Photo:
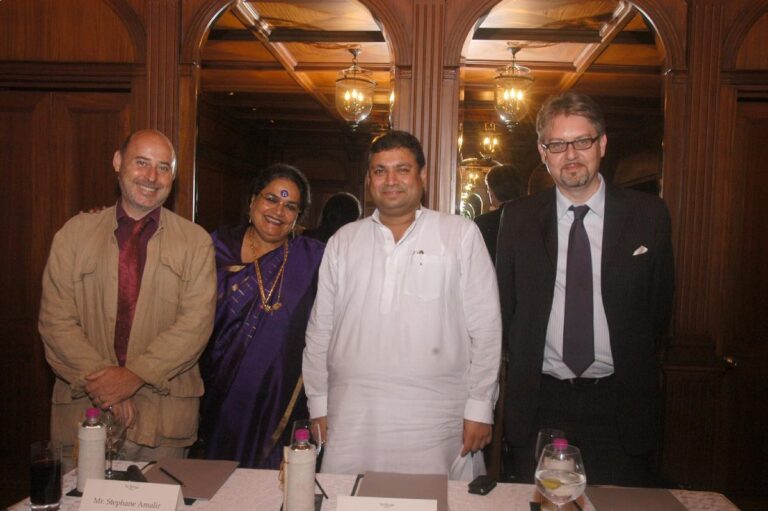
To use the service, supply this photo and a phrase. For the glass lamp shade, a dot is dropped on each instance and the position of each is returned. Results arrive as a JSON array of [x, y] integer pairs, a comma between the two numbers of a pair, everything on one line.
[[512, 83], [354, 94], [489, 141]]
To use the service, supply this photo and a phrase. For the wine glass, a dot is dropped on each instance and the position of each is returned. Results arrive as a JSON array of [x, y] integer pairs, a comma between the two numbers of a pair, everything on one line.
[[315, 435], [545, 437], [116, 432], [560, 474]]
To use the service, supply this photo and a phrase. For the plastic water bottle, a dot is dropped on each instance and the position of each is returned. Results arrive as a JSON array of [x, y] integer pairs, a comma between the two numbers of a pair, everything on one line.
[[299, 484], [92, 439]]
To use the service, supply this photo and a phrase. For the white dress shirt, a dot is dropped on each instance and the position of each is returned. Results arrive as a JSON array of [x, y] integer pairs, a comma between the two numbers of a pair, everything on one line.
[[403, 343], [553, 351]]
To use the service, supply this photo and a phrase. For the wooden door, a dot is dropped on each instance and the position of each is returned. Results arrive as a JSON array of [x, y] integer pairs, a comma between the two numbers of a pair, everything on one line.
[[742, 461], [55, 153]]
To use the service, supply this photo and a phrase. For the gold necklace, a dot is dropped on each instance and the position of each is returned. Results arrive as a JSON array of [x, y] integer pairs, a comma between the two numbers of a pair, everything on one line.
[[265, 297]]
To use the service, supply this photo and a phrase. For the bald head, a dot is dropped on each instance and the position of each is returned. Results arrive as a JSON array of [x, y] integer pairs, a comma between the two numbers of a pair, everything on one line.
[[152, 134], [146, 167]]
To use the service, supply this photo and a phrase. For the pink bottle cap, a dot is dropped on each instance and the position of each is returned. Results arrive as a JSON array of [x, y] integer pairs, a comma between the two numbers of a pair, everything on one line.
[[560, 443], [301, 435], [92, 413]]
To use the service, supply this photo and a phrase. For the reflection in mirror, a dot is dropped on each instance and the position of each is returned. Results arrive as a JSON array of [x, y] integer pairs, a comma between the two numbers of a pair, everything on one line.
[[267, 94], [606, 49]]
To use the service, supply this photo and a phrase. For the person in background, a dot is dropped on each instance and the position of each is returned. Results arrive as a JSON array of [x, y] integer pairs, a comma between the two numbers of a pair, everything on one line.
[[586, 276], [340, 209], [267, 279], [127, 307], [403, 343], [539, 180], [504, 184]]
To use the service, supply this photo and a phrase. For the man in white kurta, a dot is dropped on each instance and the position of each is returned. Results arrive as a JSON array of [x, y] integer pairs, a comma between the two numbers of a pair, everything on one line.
[[403, 343]]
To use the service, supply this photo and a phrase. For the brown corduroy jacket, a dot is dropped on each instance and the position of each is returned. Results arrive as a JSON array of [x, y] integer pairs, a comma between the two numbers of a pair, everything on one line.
[[172, 323]]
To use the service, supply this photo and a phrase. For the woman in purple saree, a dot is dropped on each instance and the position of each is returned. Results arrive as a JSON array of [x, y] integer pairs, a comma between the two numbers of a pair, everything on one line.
[[267, 279]]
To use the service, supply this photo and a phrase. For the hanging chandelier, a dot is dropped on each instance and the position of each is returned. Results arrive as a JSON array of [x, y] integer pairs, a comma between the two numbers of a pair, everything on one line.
[[512, 83], [354, 92], [489, 141]]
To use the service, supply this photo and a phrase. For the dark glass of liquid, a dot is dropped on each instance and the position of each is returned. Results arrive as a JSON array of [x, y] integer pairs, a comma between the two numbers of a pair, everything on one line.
[[45, 477]]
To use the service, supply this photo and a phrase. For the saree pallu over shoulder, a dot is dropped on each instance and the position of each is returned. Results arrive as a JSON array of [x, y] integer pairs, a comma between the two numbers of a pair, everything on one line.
[[252, 365]]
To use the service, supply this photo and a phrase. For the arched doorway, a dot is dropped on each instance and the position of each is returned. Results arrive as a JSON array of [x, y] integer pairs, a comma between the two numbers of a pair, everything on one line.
[[609, 50], [264, 78]]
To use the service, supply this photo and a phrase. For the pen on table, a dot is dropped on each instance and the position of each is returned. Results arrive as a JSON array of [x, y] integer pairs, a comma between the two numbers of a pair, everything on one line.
[[164, 471], [321, 488]]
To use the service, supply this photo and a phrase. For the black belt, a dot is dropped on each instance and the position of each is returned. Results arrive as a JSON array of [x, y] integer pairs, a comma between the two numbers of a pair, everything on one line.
[[581, 382]]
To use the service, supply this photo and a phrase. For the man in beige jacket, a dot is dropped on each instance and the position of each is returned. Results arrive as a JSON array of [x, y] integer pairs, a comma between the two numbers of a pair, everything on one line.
[[127, 307]]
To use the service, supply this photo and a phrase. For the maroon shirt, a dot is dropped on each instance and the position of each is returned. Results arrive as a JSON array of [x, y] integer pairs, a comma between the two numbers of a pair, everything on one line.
[[126, 307]]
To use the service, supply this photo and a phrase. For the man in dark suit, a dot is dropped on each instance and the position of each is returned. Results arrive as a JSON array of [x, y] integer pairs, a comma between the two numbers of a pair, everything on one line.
[[585, 294], [504, 184]]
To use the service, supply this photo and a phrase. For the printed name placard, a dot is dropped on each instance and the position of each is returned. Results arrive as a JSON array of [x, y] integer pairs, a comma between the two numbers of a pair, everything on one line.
[[102, 495], [348, 503]]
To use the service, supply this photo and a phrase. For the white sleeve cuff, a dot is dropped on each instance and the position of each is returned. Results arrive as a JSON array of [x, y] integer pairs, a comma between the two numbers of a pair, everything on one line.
[[479, 411], [318, 407]]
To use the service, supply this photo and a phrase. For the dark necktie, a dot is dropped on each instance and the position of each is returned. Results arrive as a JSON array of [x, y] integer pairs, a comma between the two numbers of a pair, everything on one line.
[[129, 282], [578, 331]]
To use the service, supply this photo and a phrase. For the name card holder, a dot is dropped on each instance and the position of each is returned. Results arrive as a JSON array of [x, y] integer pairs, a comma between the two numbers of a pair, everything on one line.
[[103, 495], [349, 503]]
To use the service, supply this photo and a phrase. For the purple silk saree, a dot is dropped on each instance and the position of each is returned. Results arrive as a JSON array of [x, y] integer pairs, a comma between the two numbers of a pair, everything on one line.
[[252, 365]]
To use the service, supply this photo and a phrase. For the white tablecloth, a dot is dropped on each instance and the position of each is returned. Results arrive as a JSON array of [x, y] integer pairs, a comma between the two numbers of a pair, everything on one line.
[[259, 490]]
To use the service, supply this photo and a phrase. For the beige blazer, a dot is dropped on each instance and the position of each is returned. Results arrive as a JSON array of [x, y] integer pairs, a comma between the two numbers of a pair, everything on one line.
[[172, 323]]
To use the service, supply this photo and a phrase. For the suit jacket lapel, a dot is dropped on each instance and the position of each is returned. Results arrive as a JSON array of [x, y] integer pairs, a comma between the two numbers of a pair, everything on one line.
[[616, 216], [548, 223]]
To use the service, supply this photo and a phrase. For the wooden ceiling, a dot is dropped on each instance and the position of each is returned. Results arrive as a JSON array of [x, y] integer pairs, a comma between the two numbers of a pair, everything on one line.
[[273, 64]]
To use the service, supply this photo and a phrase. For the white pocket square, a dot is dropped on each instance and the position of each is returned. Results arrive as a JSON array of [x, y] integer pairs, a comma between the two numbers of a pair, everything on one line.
[[642, 249]]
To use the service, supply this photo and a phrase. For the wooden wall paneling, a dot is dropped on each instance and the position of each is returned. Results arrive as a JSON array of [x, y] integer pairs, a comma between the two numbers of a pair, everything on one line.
[[195, 20], [89, 128], [64, 30], [163, 26], [744, 46], [403, 85], [59, 147], [427, 107], [448, 171], [689, 429], [705, 36], [745, 337], [222, 202], [24, 381], [186, 195]]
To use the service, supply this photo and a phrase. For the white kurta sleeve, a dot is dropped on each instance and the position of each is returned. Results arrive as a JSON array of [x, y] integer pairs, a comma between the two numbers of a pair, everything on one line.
[[319, 332], [480, 297]]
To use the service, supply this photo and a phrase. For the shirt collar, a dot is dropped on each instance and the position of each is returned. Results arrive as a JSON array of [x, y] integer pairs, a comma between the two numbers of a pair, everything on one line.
[[596, 203], [376, 216], [122, 216]]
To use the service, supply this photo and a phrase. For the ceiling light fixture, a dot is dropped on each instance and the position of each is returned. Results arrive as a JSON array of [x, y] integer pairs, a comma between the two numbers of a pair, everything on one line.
[[489, 141], [512, 83], [354, 92]]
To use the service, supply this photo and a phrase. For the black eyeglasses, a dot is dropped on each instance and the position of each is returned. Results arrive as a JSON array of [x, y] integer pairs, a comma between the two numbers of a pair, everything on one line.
[[580, 144]]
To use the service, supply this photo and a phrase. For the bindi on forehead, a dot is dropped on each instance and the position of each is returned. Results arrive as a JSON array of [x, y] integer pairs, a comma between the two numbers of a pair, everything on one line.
[[283, 193]]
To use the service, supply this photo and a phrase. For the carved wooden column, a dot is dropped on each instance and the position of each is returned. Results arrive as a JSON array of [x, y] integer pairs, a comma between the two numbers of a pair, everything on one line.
[[693, 375], [696, 216], [156, 99], [434, 107]]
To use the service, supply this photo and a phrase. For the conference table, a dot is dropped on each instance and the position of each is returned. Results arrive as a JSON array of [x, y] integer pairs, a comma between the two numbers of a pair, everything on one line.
[[249, 489]]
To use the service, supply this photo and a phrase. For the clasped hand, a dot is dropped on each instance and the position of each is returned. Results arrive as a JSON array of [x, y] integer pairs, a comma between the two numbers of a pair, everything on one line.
[[112, 385]]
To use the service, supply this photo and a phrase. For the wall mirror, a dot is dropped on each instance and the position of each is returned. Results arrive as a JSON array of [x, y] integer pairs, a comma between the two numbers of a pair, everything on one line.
[[521, 52], [267, 94]]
